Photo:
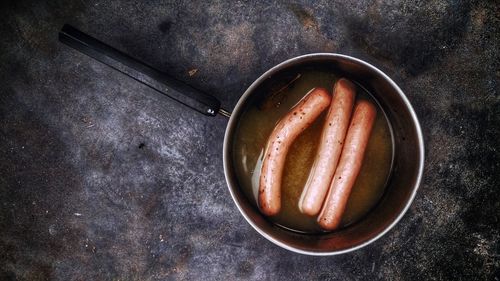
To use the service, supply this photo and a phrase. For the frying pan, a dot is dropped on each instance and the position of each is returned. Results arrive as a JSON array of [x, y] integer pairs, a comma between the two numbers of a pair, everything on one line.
[[407, 137]]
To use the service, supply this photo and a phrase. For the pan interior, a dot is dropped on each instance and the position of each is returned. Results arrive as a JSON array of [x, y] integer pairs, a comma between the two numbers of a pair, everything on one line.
[[274, 100]]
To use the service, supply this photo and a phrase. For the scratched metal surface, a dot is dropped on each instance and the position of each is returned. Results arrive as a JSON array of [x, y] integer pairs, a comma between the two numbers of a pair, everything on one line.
[[101, 179]]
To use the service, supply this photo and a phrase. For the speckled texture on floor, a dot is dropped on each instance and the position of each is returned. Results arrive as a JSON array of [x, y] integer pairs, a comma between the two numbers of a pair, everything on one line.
[[102, 179]]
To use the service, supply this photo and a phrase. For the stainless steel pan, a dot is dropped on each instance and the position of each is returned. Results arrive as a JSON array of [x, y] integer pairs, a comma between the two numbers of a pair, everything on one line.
[[408, 143]]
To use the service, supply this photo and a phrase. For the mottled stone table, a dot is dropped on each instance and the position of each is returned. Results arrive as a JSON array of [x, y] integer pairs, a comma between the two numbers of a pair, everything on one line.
[[102, 179]]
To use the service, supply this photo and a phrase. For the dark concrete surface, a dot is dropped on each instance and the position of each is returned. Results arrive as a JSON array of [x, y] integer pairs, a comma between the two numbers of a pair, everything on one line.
[[102, 179]]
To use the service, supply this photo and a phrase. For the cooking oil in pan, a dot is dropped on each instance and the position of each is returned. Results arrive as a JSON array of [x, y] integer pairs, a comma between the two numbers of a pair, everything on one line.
[[256, 124]]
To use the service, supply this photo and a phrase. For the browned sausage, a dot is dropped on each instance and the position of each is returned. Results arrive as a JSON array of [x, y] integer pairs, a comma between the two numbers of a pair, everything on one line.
[[349, 165], [279, 142], [330, 146]]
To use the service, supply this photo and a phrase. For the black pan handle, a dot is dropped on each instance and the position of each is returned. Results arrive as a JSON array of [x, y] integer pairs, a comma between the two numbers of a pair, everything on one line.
[[141, 72]]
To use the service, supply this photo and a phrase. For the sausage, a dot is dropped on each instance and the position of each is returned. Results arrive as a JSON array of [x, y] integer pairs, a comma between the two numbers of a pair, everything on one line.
[[286, 131], [349, 165], [330, 146]]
